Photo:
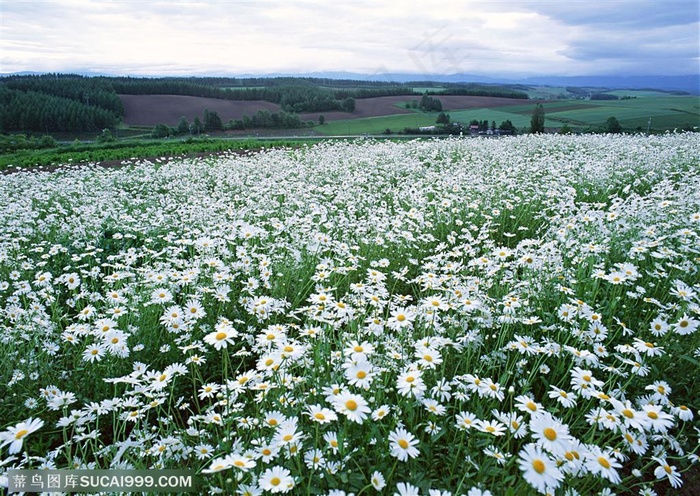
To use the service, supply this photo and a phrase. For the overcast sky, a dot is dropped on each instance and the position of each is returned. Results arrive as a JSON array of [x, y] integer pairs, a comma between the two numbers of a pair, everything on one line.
[[230, 37]]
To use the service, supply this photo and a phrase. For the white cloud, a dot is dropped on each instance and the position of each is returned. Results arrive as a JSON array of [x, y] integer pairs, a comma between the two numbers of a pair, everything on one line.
[[440, 36]]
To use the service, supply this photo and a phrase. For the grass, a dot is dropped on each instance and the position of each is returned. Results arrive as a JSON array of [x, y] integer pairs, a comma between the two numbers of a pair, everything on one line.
[[377, 125], [76, 153]]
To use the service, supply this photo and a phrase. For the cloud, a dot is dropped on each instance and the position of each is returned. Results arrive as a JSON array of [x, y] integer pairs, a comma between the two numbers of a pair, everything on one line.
[[436, 37]]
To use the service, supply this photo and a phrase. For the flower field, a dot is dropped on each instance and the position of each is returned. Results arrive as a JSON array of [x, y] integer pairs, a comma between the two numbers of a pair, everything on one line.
[[462, 316]]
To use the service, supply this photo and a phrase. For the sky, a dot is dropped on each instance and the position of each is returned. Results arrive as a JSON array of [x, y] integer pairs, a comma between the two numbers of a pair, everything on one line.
[[515, 38]]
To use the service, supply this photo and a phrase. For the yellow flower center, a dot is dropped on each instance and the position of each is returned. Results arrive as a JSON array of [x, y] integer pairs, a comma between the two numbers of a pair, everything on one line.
[[653, 415], [550, 433], [351, 405], [319, 416], [538, 465], [361, 374], [604, 462], [403, 443], [21, 434], [220, 336], [400, 317], [628, 413], [531, 406], [275, 481]]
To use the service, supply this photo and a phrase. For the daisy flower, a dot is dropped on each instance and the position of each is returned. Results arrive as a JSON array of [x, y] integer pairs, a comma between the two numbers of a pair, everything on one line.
[[658, 420], [319, 414], [353, 406], [401, 318], [360, 373], [94, 352], [221, 338], [276, 480], [240, 462], [539, 470], [411, 383], [381, 412], [668, 471], [217, 465], [403, 444], [603, 463], [549, 433], [526, 404], [14, 436], [682, 412], [377, 480], [466, 420], [406, 489], [686, 325], [491, 426], [567, 400]]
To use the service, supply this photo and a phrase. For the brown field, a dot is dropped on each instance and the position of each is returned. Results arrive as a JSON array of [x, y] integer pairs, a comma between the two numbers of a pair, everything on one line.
[[149, 110]]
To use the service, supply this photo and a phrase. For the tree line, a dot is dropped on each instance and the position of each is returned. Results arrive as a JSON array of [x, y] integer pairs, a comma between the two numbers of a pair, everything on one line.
[[31, 111], [211, 121]]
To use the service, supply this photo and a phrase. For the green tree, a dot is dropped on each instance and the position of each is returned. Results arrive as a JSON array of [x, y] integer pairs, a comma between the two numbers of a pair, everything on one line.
[[565, 129], [613, 125], [349, 104], [160, 131], [212, 121], [197, 126], [183, 127], [537, 119], [321, 120], [443, 118], [507, 127], [106, 136]]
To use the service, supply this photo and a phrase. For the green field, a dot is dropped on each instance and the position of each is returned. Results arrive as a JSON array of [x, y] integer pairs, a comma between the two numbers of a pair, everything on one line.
[[377, 125], [665, 111]]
